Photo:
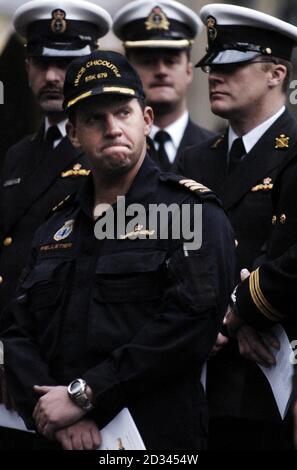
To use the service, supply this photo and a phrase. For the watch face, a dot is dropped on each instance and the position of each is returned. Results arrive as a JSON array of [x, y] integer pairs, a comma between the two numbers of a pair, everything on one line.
[[75, 386]]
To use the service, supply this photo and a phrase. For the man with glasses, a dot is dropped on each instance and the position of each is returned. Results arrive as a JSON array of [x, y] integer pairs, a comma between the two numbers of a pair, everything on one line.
[[249, 65]]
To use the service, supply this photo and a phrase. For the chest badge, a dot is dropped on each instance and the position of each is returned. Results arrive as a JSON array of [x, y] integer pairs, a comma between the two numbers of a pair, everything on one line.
[[64, 231], [282, 141]]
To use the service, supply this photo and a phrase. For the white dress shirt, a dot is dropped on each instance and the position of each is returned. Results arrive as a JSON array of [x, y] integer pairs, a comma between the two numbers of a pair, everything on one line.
[[62, 128], [251, 138], [176, 131]]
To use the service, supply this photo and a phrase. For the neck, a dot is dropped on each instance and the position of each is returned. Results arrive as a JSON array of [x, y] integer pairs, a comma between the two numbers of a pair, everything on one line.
[[244, 123], [164, 119], [56, 118]]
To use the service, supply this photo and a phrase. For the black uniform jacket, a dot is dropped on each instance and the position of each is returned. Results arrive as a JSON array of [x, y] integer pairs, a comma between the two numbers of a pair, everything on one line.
[[30, 188], [135, 317], [269, 295], [236, 386], [193, 135], [246, 192]]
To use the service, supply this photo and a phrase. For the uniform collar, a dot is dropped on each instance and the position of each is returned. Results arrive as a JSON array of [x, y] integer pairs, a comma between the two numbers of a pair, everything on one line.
[[61, 126], [175, 130], [251, 138]]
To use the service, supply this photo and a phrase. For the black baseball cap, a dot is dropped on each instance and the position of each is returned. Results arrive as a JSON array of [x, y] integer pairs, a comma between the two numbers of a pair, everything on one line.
[[101, 72]]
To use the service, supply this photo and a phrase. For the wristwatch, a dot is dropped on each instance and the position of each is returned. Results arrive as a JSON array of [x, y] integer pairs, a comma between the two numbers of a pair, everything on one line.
[[77, 393]]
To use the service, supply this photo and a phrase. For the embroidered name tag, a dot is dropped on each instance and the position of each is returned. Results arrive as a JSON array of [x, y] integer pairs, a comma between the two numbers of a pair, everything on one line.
[[11, 182], [56, 246]]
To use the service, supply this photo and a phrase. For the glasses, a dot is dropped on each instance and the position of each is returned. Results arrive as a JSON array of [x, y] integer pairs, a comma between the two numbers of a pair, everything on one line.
[[230, 68]]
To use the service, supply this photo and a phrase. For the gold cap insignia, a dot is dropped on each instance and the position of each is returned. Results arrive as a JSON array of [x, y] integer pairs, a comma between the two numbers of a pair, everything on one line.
[[282, 141], [157, 20], [58, 24], [211, 30], [64, 231]]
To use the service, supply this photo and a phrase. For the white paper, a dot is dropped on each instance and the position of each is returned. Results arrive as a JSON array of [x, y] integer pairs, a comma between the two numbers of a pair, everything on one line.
[[280, 375], [121, 433], [11, 419]]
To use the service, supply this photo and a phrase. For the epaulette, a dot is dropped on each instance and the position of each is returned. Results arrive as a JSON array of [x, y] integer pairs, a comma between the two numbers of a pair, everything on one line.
[[64, 203], [198, 188]]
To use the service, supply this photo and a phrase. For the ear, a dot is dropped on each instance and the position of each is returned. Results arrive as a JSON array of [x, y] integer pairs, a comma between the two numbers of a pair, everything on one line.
[[148, 116], [189, 72], [277, 75], [72, 134]]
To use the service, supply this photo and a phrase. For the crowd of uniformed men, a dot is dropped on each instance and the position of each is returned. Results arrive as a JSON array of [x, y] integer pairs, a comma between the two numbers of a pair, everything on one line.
[[91, 326]]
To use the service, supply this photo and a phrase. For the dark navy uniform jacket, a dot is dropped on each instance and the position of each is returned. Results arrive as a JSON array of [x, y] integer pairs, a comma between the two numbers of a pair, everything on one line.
[[30, 187], [193, 135], [237, 387], [136, 318], [269, 296]]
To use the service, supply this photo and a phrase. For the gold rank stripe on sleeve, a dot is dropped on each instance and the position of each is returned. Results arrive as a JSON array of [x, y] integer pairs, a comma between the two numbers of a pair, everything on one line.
[[192, 185], [259, 299]]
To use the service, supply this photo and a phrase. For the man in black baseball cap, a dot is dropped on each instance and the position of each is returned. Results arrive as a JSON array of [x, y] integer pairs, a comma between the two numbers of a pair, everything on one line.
[[124, 314]]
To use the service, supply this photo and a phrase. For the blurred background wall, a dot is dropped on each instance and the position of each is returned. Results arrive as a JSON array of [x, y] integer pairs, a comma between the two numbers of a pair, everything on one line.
[[19, 115]]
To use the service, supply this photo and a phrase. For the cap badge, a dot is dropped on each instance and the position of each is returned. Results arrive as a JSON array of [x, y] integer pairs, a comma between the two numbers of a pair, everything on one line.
[[282, 141], [58, 24], [64, 231], [211, 30], [157, 20]]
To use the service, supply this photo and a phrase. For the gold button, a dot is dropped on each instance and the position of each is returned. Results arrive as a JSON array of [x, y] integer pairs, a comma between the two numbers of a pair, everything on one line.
[[1, 279], [283, 219], [274, 219], [7, 241]]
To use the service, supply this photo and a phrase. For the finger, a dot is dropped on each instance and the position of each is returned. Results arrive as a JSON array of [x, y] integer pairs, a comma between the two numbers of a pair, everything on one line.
[[272, 340], [244, 274], [96, 437], [87, 440], [41, 390], [64, 439], [76, 441]]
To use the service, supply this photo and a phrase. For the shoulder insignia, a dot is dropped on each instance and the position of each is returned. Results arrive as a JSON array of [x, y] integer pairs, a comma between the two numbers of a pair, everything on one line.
[[62, 203], [192, 185], [217, 142], [282, 141]]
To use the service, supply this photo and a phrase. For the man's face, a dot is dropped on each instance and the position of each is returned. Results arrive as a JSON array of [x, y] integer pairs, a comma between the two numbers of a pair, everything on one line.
[[112, 132], [236, 90], [165, 74], [46, 79]]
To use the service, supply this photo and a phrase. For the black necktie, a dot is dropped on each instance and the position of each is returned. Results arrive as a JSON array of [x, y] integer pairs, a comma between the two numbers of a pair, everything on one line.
[[237, 151], [53, 133], [162, 137]]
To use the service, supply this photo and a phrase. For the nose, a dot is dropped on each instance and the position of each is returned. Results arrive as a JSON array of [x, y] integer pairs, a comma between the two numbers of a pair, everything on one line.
[[54, 74], [215, 77], [112, 127], [160, 67]]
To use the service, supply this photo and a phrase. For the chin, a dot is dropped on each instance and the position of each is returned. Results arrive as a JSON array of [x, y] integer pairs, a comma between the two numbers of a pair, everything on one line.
[[52, 106]]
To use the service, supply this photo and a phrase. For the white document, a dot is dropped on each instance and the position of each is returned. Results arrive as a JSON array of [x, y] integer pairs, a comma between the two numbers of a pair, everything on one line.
[[11, 419], [280, 375], [121, 433]]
